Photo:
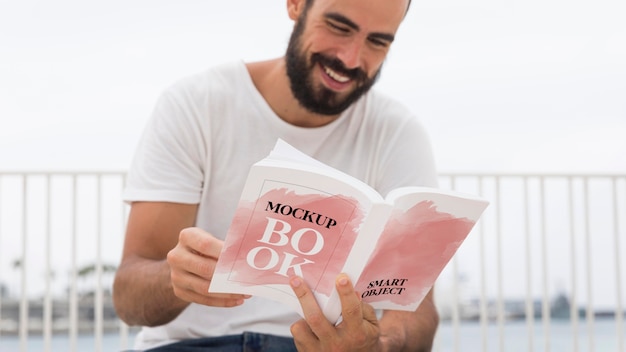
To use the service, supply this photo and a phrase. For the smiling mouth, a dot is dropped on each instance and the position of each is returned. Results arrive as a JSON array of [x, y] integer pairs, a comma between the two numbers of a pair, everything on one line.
[[334, 75]]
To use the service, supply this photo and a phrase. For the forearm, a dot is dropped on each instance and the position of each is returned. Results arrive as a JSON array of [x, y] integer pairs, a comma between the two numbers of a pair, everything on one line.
[[410, 331], [143, 294]]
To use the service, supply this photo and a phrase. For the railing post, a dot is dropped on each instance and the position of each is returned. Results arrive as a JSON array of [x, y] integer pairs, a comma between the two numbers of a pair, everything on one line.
[[47, 309], [545, 311], [530, 304], [589, 312], [483, 276], [24, 309], [500, 301], [619, 314], [123, 327], [456, 320], [98, 304], [573, 268], [73, 328]]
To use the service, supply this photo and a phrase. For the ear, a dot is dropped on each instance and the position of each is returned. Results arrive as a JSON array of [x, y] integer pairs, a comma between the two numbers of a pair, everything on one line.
[[294, 8]]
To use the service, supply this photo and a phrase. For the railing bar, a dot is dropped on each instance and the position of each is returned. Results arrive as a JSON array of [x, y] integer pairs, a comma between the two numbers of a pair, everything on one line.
[[1, 182], [60, 173], [589, 312], [530, 174], [545, 311], [573, 268], [442, 174], [499, 265], [483, 277], [123, 326], [98, 303], [456, 321], [530, 308], [73, 330], [47, 310], [23, 266], [619, 314]]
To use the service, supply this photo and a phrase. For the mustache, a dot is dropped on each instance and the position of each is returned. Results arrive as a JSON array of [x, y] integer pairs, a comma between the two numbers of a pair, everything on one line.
[[336, 65]]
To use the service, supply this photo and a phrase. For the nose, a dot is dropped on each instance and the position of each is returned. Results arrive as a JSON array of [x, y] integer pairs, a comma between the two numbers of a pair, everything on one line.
[[350, 53]]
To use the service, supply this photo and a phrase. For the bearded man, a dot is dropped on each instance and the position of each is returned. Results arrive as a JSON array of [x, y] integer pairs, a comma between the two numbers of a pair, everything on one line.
[[192, 162]]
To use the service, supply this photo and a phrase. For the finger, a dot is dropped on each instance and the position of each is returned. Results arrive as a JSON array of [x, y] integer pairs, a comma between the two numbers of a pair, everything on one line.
[[313, 315], [184, 263], [184, 259], [303, 335], [192, 288], [351, 305], [201, 242], [224, 301], [191, 275], [184, 280], [369, 314]]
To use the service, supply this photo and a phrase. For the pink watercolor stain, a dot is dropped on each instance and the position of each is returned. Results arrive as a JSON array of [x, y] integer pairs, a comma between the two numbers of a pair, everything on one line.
[[249, 225], [416, 246]]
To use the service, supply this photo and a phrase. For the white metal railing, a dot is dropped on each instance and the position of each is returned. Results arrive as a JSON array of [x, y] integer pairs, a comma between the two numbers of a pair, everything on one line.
[[61, 234], [71, 211], [571, 226]]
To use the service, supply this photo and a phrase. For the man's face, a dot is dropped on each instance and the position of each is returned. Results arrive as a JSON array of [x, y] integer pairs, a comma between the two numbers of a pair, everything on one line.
[[336, 52]]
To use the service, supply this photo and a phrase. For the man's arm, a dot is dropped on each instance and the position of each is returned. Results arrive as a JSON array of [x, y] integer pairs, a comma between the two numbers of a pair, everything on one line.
[[142, 290], [410, 331], [165, 265]]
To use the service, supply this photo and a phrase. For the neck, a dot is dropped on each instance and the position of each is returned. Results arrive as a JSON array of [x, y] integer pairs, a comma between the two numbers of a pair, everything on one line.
[[270, 79]]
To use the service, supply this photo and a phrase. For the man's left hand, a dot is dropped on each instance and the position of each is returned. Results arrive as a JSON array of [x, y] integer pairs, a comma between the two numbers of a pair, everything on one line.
[[358, 331]]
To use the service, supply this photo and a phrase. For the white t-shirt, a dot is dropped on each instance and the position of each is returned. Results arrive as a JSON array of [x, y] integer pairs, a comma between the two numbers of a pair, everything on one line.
[[205, 133]]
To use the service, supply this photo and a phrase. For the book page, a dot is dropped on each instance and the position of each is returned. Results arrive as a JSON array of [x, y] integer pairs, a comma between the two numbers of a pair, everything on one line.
[[286, 156], [424, 232]]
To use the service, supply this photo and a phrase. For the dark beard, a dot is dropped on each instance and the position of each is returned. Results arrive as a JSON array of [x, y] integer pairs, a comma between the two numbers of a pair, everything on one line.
[[323, 100]]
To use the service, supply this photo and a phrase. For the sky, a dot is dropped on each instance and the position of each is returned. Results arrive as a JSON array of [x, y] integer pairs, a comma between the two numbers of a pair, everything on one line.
[[502, 86], [506, 86]]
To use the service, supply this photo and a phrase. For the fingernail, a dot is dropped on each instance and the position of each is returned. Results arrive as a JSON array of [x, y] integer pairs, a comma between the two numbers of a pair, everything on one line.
[[343, 281], [295, 282]]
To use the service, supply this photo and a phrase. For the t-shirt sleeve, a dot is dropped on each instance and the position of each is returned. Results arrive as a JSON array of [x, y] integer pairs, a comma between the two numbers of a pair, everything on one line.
[[171, 158]]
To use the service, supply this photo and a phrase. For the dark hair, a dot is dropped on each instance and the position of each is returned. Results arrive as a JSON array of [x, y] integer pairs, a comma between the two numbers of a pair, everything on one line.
[[310, 2]]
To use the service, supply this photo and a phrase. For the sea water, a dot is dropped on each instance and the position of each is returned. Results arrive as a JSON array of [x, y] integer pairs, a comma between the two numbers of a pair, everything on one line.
[[516, 338], [61, 343]]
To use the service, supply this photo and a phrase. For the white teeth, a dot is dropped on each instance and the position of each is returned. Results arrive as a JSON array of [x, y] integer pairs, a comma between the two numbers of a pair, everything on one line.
[[334, 75]]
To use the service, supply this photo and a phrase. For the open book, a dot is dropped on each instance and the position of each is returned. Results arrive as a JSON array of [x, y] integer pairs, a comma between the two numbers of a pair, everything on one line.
[[298, 216]]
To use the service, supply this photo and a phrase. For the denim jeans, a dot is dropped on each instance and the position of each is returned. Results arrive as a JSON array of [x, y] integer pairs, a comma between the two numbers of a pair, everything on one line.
[[246, 342]]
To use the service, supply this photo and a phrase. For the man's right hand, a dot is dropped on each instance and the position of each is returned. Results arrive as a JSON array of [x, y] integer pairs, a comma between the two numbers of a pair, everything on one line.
[[192, 264], [166, 264]]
